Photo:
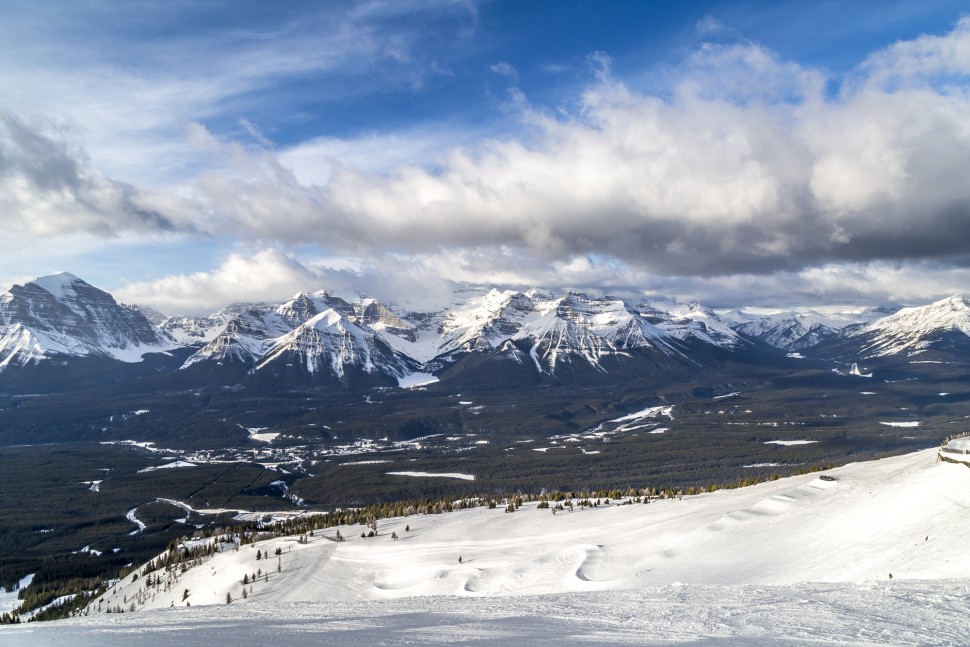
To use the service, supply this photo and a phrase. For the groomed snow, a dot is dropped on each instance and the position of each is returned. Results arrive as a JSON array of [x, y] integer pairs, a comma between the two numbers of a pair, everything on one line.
[[848, 615], [797, 561]]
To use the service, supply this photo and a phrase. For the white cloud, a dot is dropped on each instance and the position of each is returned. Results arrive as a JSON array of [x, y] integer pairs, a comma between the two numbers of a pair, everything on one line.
[[709, 25], [555, 68], [48, 188], [752, 170], [747, 168], [504, 69], [266, 275]]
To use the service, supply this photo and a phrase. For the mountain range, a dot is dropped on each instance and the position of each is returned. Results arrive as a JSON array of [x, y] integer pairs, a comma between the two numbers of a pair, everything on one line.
[[505, 335]]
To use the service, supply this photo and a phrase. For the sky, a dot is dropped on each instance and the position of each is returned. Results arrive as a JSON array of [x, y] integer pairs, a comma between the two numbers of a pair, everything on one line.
[[186, 155]]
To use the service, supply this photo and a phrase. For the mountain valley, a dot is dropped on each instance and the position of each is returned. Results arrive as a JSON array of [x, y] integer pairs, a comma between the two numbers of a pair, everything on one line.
[[320, 402]]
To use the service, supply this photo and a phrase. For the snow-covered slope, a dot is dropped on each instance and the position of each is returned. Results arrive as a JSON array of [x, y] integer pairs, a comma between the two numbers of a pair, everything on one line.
[[845, 614], [63, 315], [915, 330], [690, 320], [195, 331], [796, 330], [577, 327], [316, 331], [487, 323], [901, 515], [865, 529], [329, 342]]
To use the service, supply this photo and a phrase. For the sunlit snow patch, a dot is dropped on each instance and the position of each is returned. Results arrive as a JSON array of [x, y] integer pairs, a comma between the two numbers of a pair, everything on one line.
[[649, 412], [441, 475], [9, 600], [172, 465], [855, 371], [789, 442], [416, 379], [901, 424]]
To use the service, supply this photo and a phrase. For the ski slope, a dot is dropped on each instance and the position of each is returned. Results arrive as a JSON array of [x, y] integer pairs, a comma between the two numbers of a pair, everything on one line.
[[803, 559]]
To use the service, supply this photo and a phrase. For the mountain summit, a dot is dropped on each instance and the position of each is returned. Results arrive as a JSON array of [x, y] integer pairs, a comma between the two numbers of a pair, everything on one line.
[[63, 315]]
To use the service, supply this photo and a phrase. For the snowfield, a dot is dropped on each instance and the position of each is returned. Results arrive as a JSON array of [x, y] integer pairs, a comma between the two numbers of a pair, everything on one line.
[[804, 560]]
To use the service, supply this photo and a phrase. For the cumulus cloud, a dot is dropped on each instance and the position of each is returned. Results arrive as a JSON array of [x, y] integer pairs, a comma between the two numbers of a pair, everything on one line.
[[749, 166], [746, 174], [266, 275], [709, 25], [504, 69], [47, 188]]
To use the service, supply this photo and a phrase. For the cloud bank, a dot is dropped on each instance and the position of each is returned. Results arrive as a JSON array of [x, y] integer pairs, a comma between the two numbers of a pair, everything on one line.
[[748, 166], [744, 171]]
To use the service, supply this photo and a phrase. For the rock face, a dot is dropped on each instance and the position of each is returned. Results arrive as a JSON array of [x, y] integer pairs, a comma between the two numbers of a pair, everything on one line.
[[913, 331], [576, 328], [490, 335], [791, 333], [63, 315], [331, 344], [800, 330]]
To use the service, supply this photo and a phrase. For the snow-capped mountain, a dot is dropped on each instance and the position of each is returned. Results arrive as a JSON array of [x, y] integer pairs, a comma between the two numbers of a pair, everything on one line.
[[577, 327], [331, 343], [690, 320], [193, 331], [488, 323], [323, 335], [63, 315], [327, 336], [799, 330], [913, 331], [251, 331]]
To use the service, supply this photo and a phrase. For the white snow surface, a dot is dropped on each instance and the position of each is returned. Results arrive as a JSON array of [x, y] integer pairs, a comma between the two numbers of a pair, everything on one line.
[[577, 325], [908, 330], [797, 561], [166, 466], [441, 475], [94, 325], [9, 600], [416, 379]]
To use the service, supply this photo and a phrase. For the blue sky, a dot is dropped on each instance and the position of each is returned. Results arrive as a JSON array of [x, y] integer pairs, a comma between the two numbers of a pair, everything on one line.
[[185, 155]]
